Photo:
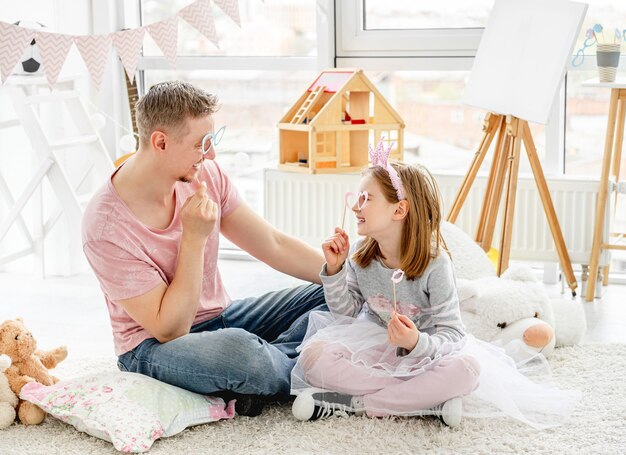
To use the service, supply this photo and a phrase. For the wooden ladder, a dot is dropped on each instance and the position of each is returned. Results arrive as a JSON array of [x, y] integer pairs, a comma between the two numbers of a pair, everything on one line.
[[308, 104], [71, 193]]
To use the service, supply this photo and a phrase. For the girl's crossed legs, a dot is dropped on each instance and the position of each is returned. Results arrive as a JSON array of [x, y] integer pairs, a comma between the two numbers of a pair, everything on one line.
[[328, 366]]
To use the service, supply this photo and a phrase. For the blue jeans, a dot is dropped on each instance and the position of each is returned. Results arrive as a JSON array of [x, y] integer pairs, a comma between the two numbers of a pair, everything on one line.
[[250, 348]]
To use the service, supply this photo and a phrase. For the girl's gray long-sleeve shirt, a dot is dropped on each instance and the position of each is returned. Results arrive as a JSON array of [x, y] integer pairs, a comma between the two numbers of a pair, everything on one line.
[[431, 300]]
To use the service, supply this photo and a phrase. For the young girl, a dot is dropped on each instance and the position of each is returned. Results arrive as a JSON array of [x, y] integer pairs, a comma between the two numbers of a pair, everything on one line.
[[401, 349]]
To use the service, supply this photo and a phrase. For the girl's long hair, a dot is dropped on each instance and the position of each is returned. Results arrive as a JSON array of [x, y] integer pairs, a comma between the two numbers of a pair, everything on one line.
[[421, 237]]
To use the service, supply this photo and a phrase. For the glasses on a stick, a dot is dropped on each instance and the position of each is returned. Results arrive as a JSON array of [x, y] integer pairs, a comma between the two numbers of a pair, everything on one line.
[[212, 139]]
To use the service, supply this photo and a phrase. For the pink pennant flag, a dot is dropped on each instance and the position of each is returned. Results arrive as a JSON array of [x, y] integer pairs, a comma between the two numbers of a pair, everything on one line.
[[13, 41], [164, 34], [128, 44], [198, 14], [53, 48], [95, 51], [231, 8]]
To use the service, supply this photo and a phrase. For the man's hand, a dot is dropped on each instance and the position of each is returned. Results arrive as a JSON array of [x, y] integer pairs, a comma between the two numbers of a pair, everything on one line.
[[198, 214], [401, 331], [336, 249]]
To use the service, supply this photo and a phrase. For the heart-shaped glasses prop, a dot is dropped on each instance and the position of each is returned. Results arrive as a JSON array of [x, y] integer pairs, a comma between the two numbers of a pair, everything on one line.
[[212, 139], [349, 201], [396, 277]]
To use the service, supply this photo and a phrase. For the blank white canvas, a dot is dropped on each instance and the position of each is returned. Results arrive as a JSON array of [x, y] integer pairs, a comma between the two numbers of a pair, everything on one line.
[[522, 57]]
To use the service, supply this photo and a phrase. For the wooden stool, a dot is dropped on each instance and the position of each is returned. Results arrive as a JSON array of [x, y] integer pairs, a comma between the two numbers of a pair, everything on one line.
[[611, 159]]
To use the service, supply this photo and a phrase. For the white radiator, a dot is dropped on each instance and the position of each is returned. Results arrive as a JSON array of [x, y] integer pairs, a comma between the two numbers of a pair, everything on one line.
[[309, 206]]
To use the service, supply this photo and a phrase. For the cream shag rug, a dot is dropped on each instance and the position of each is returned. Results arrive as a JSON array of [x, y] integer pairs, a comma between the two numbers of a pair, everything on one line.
[[597, 427]]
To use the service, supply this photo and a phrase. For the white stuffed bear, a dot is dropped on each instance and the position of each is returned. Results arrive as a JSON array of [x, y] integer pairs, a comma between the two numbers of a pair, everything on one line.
[[8, 400], [512, 307]]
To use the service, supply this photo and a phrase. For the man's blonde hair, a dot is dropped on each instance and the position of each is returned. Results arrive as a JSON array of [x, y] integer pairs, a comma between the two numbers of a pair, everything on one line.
[[168, 105]]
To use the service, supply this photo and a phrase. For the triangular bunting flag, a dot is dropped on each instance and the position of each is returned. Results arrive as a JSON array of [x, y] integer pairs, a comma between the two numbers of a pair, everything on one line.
[[53, 48], [95, 51], [128, 44], [13, 41], [198, 14], [165, 35], [231, 8]]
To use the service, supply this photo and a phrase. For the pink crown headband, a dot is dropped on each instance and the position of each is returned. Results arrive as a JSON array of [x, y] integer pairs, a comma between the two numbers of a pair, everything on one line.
[[380, 157]]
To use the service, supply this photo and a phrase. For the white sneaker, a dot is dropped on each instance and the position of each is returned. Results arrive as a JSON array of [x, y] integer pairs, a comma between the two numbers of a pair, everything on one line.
[[304, 407], [451, 412]]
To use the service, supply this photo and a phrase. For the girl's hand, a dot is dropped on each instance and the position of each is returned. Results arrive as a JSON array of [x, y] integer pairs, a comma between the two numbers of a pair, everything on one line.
[[336, 249], [401, 331]]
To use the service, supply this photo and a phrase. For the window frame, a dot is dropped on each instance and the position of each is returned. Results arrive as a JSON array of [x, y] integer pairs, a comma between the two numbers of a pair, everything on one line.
[[450, 49], [355, 41], [325, 50], [343, 42]]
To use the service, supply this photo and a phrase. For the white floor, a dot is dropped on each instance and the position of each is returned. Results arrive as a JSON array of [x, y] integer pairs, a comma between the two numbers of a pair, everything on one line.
[[72, 311]]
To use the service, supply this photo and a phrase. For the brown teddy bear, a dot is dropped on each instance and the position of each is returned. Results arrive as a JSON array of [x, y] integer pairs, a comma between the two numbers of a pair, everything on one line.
[[28, 365], [8, 400]]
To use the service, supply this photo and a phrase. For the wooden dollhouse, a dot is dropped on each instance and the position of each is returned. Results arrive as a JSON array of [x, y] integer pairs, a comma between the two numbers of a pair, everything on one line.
[[329, 128]]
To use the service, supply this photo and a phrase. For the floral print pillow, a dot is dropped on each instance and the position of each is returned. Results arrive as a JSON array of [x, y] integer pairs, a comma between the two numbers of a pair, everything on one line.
[[129, 410]]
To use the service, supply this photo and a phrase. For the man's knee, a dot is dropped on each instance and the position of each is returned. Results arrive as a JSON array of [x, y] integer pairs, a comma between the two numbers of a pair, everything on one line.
[[254, 367], [236, 344], [313, 294]]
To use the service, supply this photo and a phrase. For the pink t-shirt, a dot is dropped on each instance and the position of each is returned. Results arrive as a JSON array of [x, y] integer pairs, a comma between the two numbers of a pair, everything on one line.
[[130, 259]]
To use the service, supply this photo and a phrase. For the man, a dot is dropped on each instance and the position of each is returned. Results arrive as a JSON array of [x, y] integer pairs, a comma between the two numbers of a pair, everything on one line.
[[151, 236]]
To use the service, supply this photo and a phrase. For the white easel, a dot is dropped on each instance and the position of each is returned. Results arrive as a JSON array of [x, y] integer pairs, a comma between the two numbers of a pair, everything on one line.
[[27, 94], [521, 37]]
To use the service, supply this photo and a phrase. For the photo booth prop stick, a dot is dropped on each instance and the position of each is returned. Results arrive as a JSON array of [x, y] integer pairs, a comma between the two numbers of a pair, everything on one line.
[[395, 279], [591, 38], [347, 201], [520, 37], [598, 29], [361, 200]]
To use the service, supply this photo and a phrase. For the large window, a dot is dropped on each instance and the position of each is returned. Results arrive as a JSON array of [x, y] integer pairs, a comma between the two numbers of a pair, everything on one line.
[[422, 53], [258, 71], [419, 55], [271, 28], [587, 107], [425, 14], [440, 131], [587, 112], [427, 38], [586, 121]]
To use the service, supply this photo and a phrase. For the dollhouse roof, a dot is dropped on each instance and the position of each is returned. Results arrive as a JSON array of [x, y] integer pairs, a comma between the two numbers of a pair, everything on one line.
[[336, 83], [332, 81]]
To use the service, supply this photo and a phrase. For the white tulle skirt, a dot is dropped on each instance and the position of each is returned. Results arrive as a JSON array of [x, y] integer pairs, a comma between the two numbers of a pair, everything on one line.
[[524, 391]]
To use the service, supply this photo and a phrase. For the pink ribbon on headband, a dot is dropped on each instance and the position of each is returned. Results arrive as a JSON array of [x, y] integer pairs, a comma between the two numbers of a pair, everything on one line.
[[380, 157]]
